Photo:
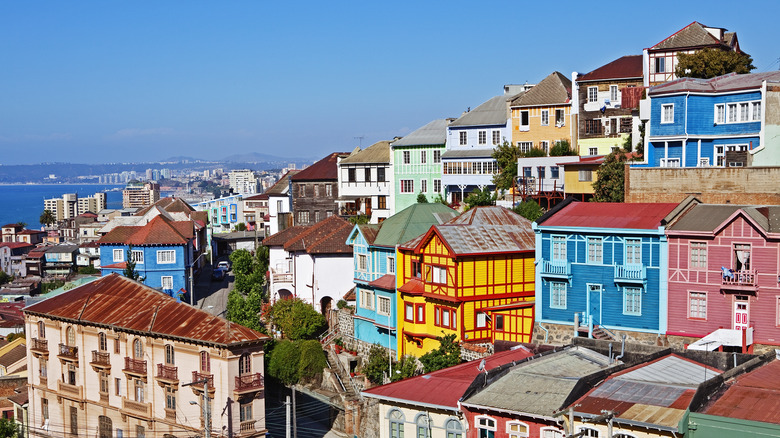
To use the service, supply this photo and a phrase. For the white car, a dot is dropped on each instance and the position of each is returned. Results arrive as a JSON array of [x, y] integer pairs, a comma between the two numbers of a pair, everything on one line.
[[225, 266]]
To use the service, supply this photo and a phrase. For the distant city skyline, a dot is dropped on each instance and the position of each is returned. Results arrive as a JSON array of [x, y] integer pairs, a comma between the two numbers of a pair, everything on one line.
[[97, 82]]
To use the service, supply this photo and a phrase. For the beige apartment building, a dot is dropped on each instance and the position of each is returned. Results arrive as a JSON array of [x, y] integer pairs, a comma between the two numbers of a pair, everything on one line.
[[115, 358], [137, 194], [70, 205]]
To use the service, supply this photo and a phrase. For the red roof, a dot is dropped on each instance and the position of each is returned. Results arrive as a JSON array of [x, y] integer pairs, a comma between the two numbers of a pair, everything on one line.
[[610, 215], [119, 302], [27, 231], [445, 387], [15, 245], [325, 169], [629, 66], [413, 286], [753, 396], [259, 197], [159, 231], [120, 265], [385, 282]]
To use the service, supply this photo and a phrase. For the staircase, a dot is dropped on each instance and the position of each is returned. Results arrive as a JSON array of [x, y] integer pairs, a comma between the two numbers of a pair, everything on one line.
[[603, 334], [348, 389]]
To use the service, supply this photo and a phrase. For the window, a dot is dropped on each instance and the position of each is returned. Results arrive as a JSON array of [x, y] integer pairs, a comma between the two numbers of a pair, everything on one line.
[[444, 317], [744, 112], [632, 301], [407, 186], [547, 432], [741, 257], [396, 423], [667, 113], [71, 376], [593, 94], [419, 310], [166, 282], [613, 94], [245, 411], [391, 265], [205, 362], [698, 254], [140, 431], [103, 382], [117, 386], [545, 117], [138, 256], [545, 146], [594, 250], [119, 255], [423, 186], [169, 356], [409, 312], [166, 256], [496, 138], [423, 428], [593, 151], [303, 217], [586, 175], [138, 392], [732, 112], [45, 408], [720, 113], [105, 427], [697, 305], [486, 427], [301, 190], [756, 111], [559, 248], [438, 275], [555, 172], [317, 216], [557, 295], [453, 429], [481, 319], [367, 299], [74, 421], [670, 162], [626, 124], [437, 186], [350, 176], [437, 156], [367, 174], [416, 270], [540, 172], [660, 65], [423, 157], [41, 330], [383, 305], [463, 138], [704, 162], [594, 127], [138, 349], [499, 324], [102, 342], [362, 262], [170, 397], [524, 119], [560, 118], [245, 364], [71, 336], [44, 368], [328, 192], [482, 136], [525, 146], [380, 174], [633, 252], [516, 429]]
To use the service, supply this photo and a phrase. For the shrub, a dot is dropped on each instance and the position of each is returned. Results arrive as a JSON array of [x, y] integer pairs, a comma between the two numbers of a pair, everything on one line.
[[283, 362], [312, 359]]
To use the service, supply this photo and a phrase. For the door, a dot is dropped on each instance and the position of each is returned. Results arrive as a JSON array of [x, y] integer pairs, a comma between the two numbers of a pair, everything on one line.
[[594, 303], [741, 311]]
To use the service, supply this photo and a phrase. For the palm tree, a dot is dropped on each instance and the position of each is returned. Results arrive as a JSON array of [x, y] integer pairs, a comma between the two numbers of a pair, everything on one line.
[[47, 218]]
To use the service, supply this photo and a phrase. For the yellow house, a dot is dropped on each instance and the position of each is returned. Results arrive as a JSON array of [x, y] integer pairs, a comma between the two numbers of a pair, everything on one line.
[[542, 115], [472, 276], [578, 176]]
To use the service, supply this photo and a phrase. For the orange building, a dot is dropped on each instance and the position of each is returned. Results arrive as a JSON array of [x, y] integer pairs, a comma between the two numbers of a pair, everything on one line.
[[472, 276], [542, 115]]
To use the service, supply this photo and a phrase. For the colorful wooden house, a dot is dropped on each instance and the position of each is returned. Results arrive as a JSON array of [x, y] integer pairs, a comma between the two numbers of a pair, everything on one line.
[[472, 277], [417, 164], [723, 275], [373, 247], [542, 115], [603, 265]]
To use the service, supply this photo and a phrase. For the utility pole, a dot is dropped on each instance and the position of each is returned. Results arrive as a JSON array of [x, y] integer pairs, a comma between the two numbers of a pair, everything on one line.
[[206, 408], [287, 423], [294, 416], [229, 409]]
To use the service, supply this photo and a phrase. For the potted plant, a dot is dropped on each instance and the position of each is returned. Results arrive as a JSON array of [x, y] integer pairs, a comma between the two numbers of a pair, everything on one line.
[[338, 345]]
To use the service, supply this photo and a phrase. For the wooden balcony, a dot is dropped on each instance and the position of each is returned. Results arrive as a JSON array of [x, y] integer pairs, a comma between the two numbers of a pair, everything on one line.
[[744, 280], [101, 360], [167, 374], [39, 347], [136, 409], [71, 392], [630, 274], [249, 383], [555, 269], [69, 353], [135, 367], [197, 388]]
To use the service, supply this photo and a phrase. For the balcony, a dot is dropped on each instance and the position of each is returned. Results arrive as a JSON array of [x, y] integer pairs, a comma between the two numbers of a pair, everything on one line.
[[556, 269], [135, 367], [744, 280], [101, 360], [69, 353], [285, 277], [249, 383], [71, 392], [39, 347], [630, 274], [167, 374], [247, 427], [136, 409], [197, 388]]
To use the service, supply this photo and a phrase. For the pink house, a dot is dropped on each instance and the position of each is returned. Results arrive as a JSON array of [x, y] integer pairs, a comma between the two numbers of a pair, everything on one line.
[[724, 262]]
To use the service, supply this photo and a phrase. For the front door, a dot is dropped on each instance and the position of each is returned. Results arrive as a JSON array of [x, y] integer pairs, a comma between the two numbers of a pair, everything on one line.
[[741, 311], [594, 303]]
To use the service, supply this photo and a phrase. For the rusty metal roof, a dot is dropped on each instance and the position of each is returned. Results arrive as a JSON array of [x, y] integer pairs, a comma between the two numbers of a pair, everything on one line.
[[610, 215], [753, 396], [126, 305], [487, 229]]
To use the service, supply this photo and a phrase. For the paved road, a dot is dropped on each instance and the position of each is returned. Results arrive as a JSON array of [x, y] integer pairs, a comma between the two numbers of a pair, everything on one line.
[[212, 296]]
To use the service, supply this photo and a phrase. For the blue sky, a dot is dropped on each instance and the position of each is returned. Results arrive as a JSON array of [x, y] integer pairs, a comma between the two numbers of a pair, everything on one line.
[[95, 82]]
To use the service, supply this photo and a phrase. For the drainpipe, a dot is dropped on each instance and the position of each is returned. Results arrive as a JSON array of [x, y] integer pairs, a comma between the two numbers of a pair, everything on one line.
[[622, 349], [685, 142]]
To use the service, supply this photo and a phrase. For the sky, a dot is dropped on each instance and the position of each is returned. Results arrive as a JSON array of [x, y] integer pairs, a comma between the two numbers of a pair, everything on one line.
[[102, 82]]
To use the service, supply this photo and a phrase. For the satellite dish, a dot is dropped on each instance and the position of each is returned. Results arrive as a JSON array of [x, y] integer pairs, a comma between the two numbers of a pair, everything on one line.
[[481, 366]]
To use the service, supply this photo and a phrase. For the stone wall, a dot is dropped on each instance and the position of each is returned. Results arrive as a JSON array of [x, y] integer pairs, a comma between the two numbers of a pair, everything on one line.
[[711, 185], [469, 351], [561, 334]]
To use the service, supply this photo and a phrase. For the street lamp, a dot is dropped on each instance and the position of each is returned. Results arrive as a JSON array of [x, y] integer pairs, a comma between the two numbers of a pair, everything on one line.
[[205, 407]]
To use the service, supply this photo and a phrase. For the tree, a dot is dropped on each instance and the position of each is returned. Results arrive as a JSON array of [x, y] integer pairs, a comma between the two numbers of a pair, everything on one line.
[[242, 262], [130, 271], [5, 278], [283, 362], [506, 155], [312, 360], [405, 368], [7, 428], [561, 149], [533, 152], [709, 63], [377, 365], [480, 197], [360, 219], [296, 319], [241, 226], [440, 199], [88, 270], [610, 180], [446, 355], [529, 210], [421, 198], [47, 218], [245, 310]]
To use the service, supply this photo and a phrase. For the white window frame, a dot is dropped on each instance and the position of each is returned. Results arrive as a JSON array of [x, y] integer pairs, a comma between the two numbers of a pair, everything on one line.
[[545, 146], [585, 175], [119, 255], [483, 422], [513, 434], [496, 137], [670, 162], [550, 432], [558, 294], [560, 121], [525, 146], [482, 137], [438, 275], [138, 256], [597, 255], [720, 113], [660, 65], [362, 263], [558, 250], [166, 256], [407, 186], [632, 301], [367, 299], [423, 157], [545, 117], [382, 305], [436, 156], [437, 186], [407, 157], [633, 250], [667, 113], [755, 110], [463, 137], [698, 255], [166, 279], [613, 94], [593, 94], [423, 186], [390, 265], [704, 162], [593, 151], [701, 312], [409, 312]]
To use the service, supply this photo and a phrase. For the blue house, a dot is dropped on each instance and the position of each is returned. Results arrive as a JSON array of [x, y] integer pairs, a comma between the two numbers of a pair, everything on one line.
[[603, 265], [716, 122], [374, 252], [162, 250]]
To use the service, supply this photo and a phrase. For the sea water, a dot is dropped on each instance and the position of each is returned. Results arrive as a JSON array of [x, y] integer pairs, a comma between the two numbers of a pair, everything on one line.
[[24, 202]]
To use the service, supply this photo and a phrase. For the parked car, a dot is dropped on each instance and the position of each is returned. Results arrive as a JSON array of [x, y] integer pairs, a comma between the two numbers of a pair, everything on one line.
[[218, 274], [224, 266]]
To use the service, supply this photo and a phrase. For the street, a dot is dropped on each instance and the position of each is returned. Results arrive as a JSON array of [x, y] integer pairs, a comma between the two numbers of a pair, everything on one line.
[[212, 296]]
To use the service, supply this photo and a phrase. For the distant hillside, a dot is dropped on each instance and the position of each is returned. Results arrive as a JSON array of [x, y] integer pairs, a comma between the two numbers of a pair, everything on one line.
[[256, 157]]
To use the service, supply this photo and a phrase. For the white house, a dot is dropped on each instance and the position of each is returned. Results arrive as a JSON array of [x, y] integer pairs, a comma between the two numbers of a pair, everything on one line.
[[365, 182]]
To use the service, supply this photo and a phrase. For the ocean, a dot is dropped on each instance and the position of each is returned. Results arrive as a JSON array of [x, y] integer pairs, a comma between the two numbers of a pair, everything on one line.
[[24, 202]]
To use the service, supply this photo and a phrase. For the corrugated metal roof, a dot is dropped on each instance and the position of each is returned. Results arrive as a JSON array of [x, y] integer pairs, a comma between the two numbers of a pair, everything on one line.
[[704, 217], [555, 89], [385, 282], [467, 153], [369, 232], [753, 396], [610, 215], [411, 222], [378, 152], [625, 67], [491, 112], [324, 170], [125, 304], [719, 84], [434, 133]]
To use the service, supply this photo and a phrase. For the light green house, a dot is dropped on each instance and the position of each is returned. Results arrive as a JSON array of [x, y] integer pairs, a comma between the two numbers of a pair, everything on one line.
[[417, 164]]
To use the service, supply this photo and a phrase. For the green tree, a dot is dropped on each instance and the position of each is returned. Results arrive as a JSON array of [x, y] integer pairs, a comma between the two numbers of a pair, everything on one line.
[[377, 365], [709, 63], [405, 368], [446, 355], [283, 362], [609, 185], [534, 152], [480, 197], [88, 270], [440, 199], [421, 198], [47, 218], [360, 219], [241, 226], [245, 310], [312, 360], [5, 278], [7, 428], [130, 271], [529, 210], [506, 155], [242, 262], [296, 319], [562, 148]]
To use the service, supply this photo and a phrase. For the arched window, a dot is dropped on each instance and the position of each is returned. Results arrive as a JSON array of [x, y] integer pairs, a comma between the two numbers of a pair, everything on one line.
[[71, 336], [623, 435], [205, 362], [486, 427], [423, 426], [245, 364], [516, 429], [169, 354], [105, 428], [589, 432], [454, 428], [397, 419], [41, 330], [102, 343], [138, 349], [549, 432]]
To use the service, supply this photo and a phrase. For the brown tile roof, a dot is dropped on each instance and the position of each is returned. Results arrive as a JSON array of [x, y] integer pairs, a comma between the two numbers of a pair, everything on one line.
[[282, 184], [328, 236], [555, 89], [694, 35], [385, 282], [169, 204], [625, 67], [370, 231], [159, 231], [283, 236], [126, 305], [20, 398], [324, 170], [351, 295]]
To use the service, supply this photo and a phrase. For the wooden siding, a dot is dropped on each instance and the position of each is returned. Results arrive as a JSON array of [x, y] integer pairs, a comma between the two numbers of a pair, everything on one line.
[[538, 132]]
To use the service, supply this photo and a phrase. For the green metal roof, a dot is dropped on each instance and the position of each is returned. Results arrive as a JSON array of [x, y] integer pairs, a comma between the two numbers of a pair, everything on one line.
[[411, 222]]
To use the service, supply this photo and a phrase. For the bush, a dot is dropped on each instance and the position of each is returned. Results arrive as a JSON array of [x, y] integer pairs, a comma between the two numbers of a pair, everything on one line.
[[283, 362], [529, 210], [297, 319], [562, 148], [88, 270], [447, 355], [377, 364], [312, 360], [342, 304]]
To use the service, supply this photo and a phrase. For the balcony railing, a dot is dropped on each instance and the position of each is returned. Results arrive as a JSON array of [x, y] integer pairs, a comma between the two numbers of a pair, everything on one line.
[[556, 268], [167, 373], [282, 278], [631, 273], [135, 366], [739, 279], [136, 409], [247, 426], [71, 391], [249, 382], [69, 352], [100, 359], [198, 377], [40, 347]]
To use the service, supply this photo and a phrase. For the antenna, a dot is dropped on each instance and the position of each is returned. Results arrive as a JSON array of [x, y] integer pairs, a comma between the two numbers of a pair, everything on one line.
[[360, 137]]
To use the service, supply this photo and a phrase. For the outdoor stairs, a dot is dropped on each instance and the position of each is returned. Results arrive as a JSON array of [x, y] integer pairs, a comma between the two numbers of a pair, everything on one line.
[[602, 334], [345, 385]]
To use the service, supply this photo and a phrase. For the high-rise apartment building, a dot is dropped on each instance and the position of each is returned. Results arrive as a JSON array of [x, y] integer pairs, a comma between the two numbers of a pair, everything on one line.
[[243, 181], [138, 194], [70, 205]]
